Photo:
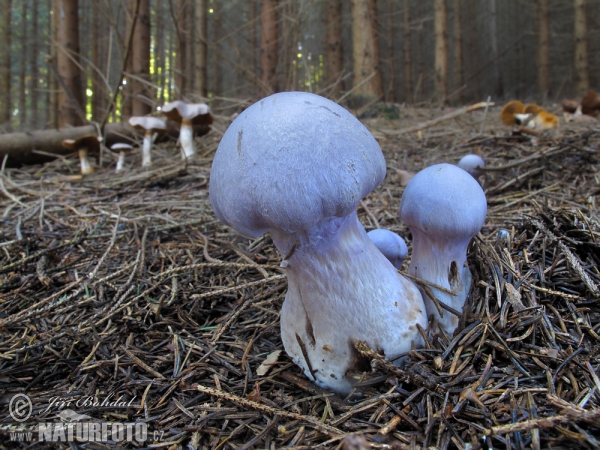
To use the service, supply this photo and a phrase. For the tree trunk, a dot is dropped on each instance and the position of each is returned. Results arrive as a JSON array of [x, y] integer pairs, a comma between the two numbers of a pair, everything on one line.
[[22, 67], [458, 52], [441, 50], [70, 96], [33, 67], [143, 98], [127, 88], [252, 46], [268, 46], [582, 74], [181, 82], [543, 47], [367, 83], [99, 35], [391, 20], [6, 108], [497, 85], [52, 75], [201, 53], [334, 55], [408, 79]]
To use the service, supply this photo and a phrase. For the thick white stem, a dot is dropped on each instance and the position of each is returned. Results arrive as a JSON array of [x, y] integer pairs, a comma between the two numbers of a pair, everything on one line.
[[186, 137], [86, 167], [341, 290], [120, 161], [147, 150]]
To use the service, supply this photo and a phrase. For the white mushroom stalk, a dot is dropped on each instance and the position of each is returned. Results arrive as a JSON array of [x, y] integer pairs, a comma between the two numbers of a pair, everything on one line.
[[297, 165], [444, 207], [150, 125], [86, 167], [121, 148], [186, 114], [84, 146]]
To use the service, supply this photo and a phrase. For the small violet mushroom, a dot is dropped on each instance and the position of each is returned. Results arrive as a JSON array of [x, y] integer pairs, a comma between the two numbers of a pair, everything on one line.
[[188, 115], [472, 164], [444, 207], [390, 244], [297, 165], [150, 125]]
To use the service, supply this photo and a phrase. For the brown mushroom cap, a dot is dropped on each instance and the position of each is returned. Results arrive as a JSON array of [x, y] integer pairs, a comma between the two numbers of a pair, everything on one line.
[[569, 106], [196, 113], [590, 103], [91, 142], [507, 115], [121, 147], [531, 108]]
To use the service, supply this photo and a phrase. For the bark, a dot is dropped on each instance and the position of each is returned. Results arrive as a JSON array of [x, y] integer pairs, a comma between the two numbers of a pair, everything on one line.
[[181, 81], [408, 79], [33, 64], [142, 94], [217, 85], [127, 88], [334, 55], [268, 46], [6, 105], [497, 86], [253, 45], [543, 47], [52, 79], [441, 50], [159, 53], [367, 82], [458, 52], [99, 55], [70, 96], [22, 66], [390, 91], [582, 74], [21, 147], [201, 53]]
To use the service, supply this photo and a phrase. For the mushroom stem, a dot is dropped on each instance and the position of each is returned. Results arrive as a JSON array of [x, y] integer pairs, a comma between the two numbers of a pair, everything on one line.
[[120, 161], [338, 281], [186, 137], [86, 167], [442, 262], [146, 149]]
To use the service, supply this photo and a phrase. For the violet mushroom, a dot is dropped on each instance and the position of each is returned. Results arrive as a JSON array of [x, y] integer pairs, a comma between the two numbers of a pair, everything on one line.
[[121, 148], [472, 164], [297, 165], [444, 207], [84, 146], [390, 244], [149, 125], [188, 115]]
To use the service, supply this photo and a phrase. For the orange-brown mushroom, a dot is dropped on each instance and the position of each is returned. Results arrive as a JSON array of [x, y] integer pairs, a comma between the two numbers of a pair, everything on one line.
[[84, 146], [507, 115]]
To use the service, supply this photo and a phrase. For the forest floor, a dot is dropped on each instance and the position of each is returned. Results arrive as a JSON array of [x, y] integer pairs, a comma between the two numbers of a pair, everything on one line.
[[126, 288]]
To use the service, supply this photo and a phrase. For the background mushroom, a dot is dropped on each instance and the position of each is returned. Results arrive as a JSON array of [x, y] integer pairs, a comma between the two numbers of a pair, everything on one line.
[[390, 244], [472, 164], [187, 115], [444, 207], [84, 146], [121, 148], [149, 125], [297, 165]]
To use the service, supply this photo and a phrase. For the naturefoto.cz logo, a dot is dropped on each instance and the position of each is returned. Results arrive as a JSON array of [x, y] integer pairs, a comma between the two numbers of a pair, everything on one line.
[[74, 427]]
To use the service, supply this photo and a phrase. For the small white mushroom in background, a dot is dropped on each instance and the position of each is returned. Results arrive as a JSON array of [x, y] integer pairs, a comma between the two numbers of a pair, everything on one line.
[[444, 207], [188, 115], [297, 165], [121, 148], [150, 125], [390, 244], [472, 164], [84, 146]]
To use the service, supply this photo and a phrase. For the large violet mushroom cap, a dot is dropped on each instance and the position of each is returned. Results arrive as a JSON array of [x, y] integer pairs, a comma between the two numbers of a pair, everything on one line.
[[444, 200], [296, 159]]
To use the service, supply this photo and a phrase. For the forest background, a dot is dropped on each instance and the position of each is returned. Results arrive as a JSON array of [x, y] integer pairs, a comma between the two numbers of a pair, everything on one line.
[[67, 62]]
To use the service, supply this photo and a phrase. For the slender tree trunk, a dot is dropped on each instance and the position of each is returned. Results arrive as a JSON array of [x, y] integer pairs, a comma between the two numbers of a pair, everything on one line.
[[582, 74], [497, 85], [367, 84], [5, 53], [22, 67], [142, 95], [441, 50], [268, 46], [391, 19], [127, 89], [160, 38], [543, 47], [53, 88], [334, 55], [99, 33], [190, 48], [33, 67], [458, 51], [171, 75], [252, 43], [181, 83], [201, 53], [408, 79]]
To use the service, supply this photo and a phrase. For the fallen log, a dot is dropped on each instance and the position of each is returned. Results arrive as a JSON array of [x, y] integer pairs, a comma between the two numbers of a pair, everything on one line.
[[34, 147]]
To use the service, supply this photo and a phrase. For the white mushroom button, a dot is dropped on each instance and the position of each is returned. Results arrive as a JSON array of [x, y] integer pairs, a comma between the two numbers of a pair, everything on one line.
[[297, 165], [390, 244], [444, 207]]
